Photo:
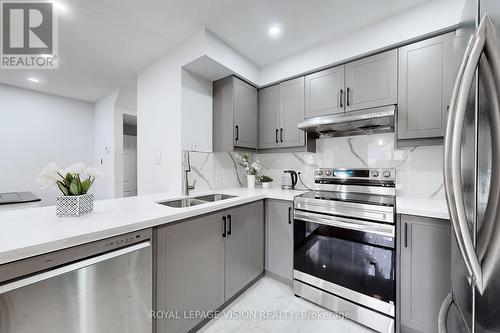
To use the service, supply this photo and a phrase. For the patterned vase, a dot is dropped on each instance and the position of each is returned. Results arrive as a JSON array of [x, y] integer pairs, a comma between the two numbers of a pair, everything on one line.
[[74, 205]]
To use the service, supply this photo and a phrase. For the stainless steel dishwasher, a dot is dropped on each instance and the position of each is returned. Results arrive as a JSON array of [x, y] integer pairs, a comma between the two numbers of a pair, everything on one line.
[[104, 286]]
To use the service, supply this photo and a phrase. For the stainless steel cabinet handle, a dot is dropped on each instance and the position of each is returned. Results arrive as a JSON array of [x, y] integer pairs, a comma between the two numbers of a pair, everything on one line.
[[341, 97], [230, 227], [289, 215], [277, 135], [237, 132], [224, 226], [70, 268], [443, 313], [347, 93], [281, 134]]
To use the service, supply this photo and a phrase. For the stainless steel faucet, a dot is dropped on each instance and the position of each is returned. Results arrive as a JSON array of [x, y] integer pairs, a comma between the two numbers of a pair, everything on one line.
[[187, 169]]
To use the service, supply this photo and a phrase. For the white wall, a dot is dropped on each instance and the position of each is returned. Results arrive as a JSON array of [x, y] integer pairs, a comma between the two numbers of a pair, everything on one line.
[[196, 112], [159, 119], [104, 145], [431, 17], [38, 128]]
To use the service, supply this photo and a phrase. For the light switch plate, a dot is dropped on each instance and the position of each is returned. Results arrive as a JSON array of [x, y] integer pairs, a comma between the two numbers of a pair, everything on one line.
[[158, 158]]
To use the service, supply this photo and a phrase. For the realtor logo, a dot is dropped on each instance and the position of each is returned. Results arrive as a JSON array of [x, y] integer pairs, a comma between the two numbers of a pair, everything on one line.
[[29, 35]]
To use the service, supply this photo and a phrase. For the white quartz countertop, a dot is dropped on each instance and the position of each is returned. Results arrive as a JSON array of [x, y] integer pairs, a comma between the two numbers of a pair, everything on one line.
[[34, 231], [422, 207]]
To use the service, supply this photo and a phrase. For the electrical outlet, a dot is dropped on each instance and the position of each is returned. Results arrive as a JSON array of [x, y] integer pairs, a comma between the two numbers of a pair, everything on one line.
[[218, 176]]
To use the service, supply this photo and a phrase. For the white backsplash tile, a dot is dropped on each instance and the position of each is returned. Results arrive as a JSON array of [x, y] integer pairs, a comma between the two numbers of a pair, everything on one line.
[[418, 169]]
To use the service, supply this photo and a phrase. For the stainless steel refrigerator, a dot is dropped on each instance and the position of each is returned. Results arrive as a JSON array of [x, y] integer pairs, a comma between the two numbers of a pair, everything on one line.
[[472, 175]]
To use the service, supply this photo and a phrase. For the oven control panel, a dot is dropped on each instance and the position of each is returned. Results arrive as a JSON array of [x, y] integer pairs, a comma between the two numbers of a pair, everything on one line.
[[369, 173]]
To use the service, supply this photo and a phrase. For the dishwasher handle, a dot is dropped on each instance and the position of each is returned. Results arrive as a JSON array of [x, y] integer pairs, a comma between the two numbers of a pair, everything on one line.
[[71, 267]]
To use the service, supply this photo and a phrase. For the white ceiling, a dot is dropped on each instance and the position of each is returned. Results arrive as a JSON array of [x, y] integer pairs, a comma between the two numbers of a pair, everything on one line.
[[103, 44]]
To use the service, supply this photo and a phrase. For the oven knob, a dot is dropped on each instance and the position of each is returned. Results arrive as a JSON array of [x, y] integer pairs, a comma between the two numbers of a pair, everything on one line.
[[328, 172], [375, 173], [386, 174], [320, 172]]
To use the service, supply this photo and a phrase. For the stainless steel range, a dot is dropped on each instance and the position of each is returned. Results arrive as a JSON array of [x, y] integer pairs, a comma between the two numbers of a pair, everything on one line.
[[345, 245]]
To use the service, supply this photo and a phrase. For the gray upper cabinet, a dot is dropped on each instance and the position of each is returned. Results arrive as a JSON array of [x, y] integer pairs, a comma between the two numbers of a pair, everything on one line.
[[279, 240], [372, 81], [190, 269], [425, 84], [269, 117], [324, 92], [234, 115], [291, 113], [425, 271], [281, 109], [244, 246]]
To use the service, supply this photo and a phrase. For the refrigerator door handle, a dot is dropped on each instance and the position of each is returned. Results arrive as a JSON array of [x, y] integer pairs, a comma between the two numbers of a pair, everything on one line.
[[443, 314], [482, 43], [488, 245], [448, 180]]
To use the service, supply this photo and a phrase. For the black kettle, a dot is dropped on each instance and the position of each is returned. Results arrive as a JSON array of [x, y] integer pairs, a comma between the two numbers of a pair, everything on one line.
[[290, 179]]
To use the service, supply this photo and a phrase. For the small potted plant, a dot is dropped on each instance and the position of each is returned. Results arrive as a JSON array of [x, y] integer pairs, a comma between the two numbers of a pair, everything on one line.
[[74, 182], [251, 168], [265, 181]]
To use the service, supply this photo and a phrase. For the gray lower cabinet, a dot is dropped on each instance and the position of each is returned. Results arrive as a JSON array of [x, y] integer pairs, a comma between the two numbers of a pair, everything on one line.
[[372, 81], [425, 271], [281, 108], [201, 263], [190, 270], [244, 246], [426, 71], [279, 240], [234, 115], [324, 92]]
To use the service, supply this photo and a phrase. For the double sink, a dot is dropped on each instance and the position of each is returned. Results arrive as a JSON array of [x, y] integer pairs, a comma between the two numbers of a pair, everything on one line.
[[189, 202]]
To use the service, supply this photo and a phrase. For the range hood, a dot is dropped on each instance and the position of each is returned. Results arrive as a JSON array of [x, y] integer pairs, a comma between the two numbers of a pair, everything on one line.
[[369, 121]]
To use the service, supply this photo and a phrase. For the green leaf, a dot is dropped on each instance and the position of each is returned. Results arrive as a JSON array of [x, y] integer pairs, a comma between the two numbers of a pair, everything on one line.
[[73, 188], [86, 185], [63, 188], [69, 178]]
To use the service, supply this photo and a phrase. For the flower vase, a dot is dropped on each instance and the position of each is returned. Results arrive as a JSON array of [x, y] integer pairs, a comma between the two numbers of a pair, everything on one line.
[[251, 181], [74, 205], [266, 185]]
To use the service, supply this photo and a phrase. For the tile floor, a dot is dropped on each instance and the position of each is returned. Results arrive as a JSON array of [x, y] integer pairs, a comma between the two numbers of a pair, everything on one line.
[[270, 307]]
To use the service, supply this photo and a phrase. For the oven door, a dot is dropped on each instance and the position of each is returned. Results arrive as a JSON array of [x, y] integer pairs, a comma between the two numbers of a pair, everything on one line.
[[353, 259]]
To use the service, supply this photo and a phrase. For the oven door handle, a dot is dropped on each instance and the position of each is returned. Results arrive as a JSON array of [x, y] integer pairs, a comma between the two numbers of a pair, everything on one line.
[[346, 223]]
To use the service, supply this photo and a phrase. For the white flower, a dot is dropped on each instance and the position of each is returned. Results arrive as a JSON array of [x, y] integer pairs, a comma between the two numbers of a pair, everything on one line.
[[93, 172], [49, 176], [76, 168], [256, 165]]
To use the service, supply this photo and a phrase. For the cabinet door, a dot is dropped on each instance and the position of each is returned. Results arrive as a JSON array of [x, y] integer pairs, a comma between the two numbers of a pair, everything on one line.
[[269, 108], [190, 269], [425, 271], [245, 114], [244, 246], [324, 92], [425, 84], [279, 239], [372, 81], [291, 113]]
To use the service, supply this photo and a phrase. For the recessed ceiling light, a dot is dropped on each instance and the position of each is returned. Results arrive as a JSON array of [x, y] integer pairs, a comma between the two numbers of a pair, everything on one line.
[[59, 6], [275, 31], [33, 79]]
